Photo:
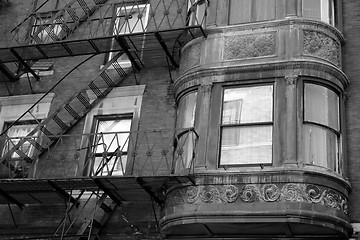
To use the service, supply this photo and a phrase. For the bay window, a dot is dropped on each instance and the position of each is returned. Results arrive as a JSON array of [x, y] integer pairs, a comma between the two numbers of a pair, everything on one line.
[[247, 125], [245, 11], [322, 10], [322, 137], [185, 138]]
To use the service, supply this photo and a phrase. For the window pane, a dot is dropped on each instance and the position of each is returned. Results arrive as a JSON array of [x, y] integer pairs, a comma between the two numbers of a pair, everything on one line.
[[130, 19], [196, 12], [321, 147], [185, 142], [112, 136], [240, 11], [114, 166], [322, 106], [246, 145], [265, 10], [15, 133], [248, 105], [186, 111], [110, 142], [184, 151], [312, 9], [322, 10]]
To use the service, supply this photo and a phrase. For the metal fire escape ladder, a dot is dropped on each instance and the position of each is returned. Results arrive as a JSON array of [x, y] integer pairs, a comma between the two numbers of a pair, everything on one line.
[[68, 114], [88, 219]]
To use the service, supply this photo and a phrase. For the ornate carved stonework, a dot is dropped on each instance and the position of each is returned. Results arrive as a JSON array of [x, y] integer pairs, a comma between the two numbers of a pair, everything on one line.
[[291, 80], [190, 57], [290, 192], [249, 46], [322, 46]]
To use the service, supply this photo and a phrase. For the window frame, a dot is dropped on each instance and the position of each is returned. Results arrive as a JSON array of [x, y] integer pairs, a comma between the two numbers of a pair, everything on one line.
[[183, 132], [192, 17], [18, 161], [91, 151], [339, 168], [333, 21], [12, 107], [265, 123], [120, 101], [117, 8]]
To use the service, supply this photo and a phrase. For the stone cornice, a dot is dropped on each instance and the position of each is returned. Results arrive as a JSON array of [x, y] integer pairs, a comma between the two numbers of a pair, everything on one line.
[[278, 23], [274, 70]]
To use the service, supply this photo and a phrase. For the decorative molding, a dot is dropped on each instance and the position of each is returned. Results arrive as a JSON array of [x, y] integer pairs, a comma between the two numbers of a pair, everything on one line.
[[250, 46], [190, 57], [320, 45], [206, 88], [250, 193], [291, 80]]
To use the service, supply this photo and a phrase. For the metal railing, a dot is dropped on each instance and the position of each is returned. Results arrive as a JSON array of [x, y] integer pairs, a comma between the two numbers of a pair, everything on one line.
[[102, 20], [140, 153]]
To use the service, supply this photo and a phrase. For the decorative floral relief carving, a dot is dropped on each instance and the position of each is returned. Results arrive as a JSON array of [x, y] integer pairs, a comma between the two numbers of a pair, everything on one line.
[[190, 57], [249, 193], [249, 46], [320, 45]]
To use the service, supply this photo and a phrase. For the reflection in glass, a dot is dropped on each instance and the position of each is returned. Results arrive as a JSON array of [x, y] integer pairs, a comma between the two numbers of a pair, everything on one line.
[[112, 137], [321, 127], [185, 140], [322, 10], [246, 131]]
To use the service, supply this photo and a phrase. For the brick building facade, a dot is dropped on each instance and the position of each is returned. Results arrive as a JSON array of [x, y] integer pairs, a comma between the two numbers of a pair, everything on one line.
[[179, 119]]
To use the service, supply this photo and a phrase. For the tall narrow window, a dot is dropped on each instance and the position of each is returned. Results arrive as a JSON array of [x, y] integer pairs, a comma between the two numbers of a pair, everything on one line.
[[110, 145], [129, 19], [321, 127], [245, 11], [196, 12], [185, 139], [247, 125], [322, 10]]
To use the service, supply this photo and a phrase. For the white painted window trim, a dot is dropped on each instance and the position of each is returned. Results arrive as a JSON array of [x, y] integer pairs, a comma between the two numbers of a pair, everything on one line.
[[128, 101]]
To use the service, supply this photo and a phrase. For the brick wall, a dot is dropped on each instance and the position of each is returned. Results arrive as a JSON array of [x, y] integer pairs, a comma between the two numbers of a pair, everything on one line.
[[351, 66]]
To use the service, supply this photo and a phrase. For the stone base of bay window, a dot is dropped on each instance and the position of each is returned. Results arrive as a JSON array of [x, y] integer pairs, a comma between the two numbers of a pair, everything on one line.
[[258, 205]]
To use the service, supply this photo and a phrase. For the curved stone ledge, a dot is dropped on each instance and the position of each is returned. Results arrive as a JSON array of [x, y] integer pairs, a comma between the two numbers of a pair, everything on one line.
[[219, 201], [251, 193], [302, 68], [290, 40]]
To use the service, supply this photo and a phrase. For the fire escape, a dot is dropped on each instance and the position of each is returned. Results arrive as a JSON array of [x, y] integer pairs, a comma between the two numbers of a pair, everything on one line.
[[86, 28]]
